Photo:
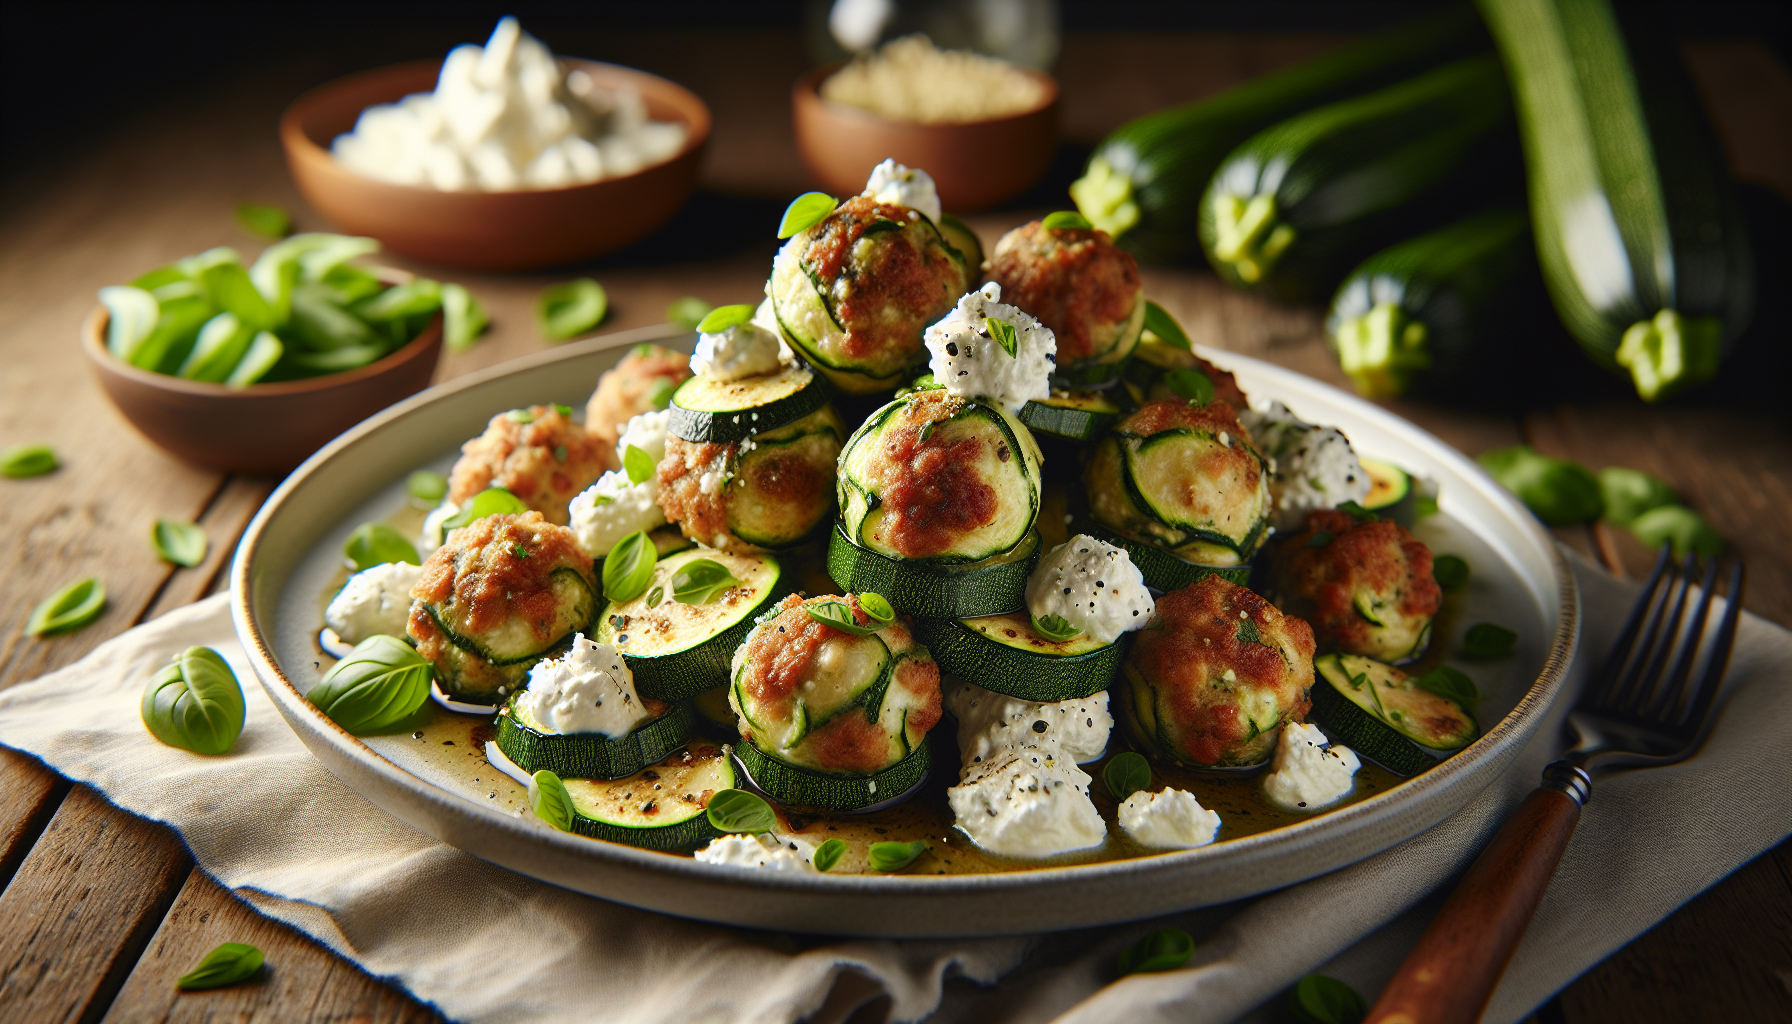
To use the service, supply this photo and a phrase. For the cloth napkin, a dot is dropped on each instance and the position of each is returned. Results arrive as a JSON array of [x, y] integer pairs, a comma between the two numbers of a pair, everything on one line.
[[483, 944]]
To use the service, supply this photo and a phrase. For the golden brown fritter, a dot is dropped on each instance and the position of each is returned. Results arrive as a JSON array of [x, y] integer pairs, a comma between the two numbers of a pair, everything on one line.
[[642, 381], [768, 491], [1074, 280], [1364, 583], [538, 454]]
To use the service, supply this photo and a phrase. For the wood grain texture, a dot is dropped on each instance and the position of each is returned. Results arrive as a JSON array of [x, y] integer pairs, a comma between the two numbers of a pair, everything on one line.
[[29, 796]]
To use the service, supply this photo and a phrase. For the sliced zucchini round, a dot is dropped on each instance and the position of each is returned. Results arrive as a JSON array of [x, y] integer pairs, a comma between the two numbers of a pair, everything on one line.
[[1382, 713], [1112, 362], [1391, 492], [806, 787], [959, 236], [514, 643], [1163, 486], [678, 650], [1004, 654], [1163, 571], [719, 411], [993, 585], [591, 755], [858, 679], [667, 540], [715, 716], [1074, 415], [781, 490], [662, 807]]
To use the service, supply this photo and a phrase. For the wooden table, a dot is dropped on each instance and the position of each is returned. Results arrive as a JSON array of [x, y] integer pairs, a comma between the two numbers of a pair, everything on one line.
[[101, 911]]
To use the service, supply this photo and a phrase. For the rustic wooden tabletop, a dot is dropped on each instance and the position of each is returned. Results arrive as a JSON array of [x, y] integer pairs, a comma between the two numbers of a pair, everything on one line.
[[100, 911]]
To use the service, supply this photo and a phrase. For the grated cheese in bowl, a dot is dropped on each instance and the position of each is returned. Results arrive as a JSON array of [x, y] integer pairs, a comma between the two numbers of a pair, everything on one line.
[[912, 80]]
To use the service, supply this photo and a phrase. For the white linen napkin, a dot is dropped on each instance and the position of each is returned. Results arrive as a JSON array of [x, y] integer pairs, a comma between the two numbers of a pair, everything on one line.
[[484, 944]]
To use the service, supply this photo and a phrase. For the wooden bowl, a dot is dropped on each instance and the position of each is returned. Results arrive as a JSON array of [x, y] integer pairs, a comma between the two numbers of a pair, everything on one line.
[[488, 230], [975, 165], [263, 428]]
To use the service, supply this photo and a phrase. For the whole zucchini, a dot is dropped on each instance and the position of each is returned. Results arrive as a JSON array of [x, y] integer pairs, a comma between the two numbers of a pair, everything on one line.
[[1301, 202], [1143, 185], [1449, 312], [1639, 232]]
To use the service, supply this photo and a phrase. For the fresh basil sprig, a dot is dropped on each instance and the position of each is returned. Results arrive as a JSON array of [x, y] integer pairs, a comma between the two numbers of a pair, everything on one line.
[[179, 543], [1317, 999], [628, 568], [877, 608], [550, 801], [687, 311], [828, 854], [806, 211], [1126, 773], [1191, 384], [426, 486], [892, 857], [195, 703], [376, 544], [722, 318], [27, 460], [837, 614], [229, 964], [490, 502], [568, 310], [1166, 949], [1055, 627], [69, 609], [701, 580], [736, 810], [1002, 333], [382, 682], [1059, 219], [1159, 322], [1452, 683], [638, 464]]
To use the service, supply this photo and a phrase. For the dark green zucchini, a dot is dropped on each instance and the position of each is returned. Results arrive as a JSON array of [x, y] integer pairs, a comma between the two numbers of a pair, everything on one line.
[[1639, 230], [994, 585], [591, 755], [1299, 204], [1144, 183], [1003, 653], [805, 787], [1383, 714]]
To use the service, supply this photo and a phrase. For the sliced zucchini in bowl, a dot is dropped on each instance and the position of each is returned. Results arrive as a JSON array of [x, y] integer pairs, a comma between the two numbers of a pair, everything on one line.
[[721, 411], [661, 807], [591, 755], [1383, 714], [805, 787], [993, 585], [1005, 654]]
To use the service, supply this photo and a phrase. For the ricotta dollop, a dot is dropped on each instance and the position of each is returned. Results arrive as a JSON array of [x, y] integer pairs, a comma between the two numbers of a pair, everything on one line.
[[757, 851], [1309, 466], [1093, 586], [430, 536], [1310, 771], [375, 600], [968, 362], [891, 182], [589, 690], [1170, 820], [744, 350], [648, 433], [990, 722], [611, 509], [1029, 802]]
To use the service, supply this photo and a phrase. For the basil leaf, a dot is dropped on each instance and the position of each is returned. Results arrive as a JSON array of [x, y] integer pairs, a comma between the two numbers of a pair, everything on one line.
[[661, 394], [1126, 773], [828, 854], [806, 211], [464, 318], [492, 501], [892, 857], [736, 810], [1191, 384], [131, 315], [1317, 999], [376, 544], [195, 703], [1054, 627], [687, 312], [427, 486], [550, 801], [1628, 493], [567, 310], [1486, 641], [69, 609], [1159, 322], [1677, 526], [628, 568], [1319, 539], [877, 608], [1358, 512], [1248, 633], [382, 682], [639, 465], [837, 614], [27, 460], [262, 220], [228, 964], [1561, 493], [179, 543], [1452, 683], [1003, 333], [1060, 219], [263, 355], [701, 581], [1166, 949], [1450, 572], [723, 317]]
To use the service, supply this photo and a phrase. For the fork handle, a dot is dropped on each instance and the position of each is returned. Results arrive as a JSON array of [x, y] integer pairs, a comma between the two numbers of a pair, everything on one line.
[[1450, 975]]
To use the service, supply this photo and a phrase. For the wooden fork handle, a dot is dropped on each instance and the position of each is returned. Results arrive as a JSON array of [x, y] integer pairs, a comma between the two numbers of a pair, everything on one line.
[[1450, 975]]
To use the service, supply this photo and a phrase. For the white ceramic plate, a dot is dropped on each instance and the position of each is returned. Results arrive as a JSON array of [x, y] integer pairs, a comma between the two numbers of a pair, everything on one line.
[[291, 551]]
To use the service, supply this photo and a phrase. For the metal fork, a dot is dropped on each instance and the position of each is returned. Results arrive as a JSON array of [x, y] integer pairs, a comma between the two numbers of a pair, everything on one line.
[[1644, 707]]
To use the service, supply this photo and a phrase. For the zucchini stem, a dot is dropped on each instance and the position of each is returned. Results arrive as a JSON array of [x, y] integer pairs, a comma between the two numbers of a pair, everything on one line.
[[1669, 352], [1382, 349], [1104, 195], [1248, 236]]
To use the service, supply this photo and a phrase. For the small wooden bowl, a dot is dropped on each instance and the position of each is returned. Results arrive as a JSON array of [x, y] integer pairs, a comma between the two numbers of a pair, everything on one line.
[[975, 165], [488, 230], [263, 428]]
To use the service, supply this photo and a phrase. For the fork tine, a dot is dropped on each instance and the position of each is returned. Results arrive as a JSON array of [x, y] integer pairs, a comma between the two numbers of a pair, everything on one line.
[[1658, 636], [1719, 659], [1667, 705], [1601, 688]]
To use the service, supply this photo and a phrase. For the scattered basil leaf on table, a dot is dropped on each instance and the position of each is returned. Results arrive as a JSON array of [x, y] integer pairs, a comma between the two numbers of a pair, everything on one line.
[[568, 310], [1054, 627], [1628, 493], [1166, 949], [195, 704], [687, 311], [490, 502], [1059, 219], [69, 609], [628, 568], [464, 318], [736, 810], [1159, 322], [1486, 641], [131, 315], [382, 682], [376, 544], [21, 461], [828, 854], [229, 964], [179, 543], [1002, 333], [806, 211], [1450, 572], [638, 464], [1191, 384], [262, 220], [1317, 999], [427, 486], [877, 608], [1680, 527], [1452, 683], [1560, 492], [839, 615], [722, 318], [701, 580], [892, 856], [1125, 774], [550, 801]]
